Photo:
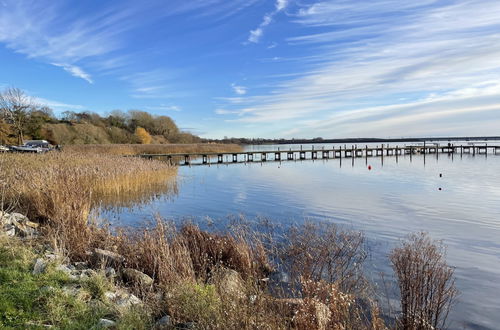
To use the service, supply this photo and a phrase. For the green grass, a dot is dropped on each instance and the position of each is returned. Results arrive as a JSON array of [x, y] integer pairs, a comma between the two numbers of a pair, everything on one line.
[[30, 301]]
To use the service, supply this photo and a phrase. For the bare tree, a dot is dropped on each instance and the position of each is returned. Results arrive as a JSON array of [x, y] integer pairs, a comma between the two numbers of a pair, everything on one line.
[[15, 108], [426, 283]]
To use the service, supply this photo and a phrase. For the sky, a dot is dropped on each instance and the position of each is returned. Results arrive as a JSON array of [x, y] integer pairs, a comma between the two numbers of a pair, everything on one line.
[[264, 68]]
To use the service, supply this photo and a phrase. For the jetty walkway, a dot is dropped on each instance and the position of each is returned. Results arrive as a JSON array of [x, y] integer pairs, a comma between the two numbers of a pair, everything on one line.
[[204, 158]]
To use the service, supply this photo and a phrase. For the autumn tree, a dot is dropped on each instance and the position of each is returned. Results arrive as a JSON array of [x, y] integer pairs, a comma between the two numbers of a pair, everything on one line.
[[15, 109], [143, 135]]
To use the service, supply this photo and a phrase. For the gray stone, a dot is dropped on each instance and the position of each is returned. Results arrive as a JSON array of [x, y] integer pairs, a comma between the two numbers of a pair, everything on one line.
[[127, 300], [80, 265], [164, 323], [110, 295], [110, 272], [230, 283], [105, 323], [106, 258], [39, 266], [64, 269], [134, 276], [9, 230]]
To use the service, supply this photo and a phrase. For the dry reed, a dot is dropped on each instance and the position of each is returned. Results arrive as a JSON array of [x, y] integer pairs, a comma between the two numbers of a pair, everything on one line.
[[137, 149]]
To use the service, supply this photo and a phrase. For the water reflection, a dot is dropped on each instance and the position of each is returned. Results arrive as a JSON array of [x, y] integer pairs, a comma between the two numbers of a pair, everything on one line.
[[396, 197]]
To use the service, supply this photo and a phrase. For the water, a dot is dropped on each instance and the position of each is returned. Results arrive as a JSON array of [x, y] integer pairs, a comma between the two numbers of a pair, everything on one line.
[[396, 197]]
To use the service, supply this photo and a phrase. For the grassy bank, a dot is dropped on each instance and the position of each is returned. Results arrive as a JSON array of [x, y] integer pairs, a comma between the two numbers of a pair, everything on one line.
[[31, 300], [136, 149]]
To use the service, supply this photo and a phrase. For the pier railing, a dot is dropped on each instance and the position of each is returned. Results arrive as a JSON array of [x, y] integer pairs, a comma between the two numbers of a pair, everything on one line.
[[290, 154]]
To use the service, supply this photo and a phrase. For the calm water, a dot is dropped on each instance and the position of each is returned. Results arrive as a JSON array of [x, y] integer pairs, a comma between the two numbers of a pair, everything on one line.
[[386, 203]]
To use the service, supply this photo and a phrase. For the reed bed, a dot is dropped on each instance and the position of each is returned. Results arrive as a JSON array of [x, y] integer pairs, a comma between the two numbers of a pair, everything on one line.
[[61, 189], [137, 149]]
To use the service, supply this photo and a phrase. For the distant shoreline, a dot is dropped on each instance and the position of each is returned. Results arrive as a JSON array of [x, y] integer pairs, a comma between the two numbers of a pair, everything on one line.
[[245, 141]]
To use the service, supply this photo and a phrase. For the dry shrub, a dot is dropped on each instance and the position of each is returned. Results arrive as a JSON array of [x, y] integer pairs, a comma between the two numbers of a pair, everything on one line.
[[320, 251], [426, 283], [160, 252]]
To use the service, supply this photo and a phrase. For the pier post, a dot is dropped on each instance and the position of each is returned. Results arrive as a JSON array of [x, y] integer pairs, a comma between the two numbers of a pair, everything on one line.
[[220, 158], [204, 159], [235, 158], [277, 156]]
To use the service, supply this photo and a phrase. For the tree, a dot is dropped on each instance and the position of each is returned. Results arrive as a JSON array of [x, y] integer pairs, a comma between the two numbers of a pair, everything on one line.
[[143, 135], [15, 108]]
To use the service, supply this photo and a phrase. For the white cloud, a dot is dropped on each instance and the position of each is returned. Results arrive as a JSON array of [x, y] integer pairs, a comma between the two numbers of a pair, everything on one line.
[[256, 35], [75, 71], [363, 61], [240, 90], [281, 4], [56, 104], [164, 107]]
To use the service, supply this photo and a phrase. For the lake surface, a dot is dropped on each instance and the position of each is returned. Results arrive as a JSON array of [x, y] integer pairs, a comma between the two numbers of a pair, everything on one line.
[[394, 198]]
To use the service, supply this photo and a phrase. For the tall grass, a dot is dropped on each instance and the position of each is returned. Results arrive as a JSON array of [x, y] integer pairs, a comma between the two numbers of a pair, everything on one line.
[[62, 188], [137, 149]]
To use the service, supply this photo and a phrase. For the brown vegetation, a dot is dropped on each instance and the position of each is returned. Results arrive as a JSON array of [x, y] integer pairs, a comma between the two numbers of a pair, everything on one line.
[[426, 283], [225, 280], [137, 149]]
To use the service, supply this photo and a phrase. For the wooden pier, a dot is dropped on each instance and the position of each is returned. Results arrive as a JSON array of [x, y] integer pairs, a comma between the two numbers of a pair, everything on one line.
[[184, 159]]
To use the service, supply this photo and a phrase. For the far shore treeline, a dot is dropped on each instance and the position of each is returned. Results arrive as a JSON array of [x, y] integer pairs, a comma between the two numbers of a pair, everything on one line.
[[21, 119]]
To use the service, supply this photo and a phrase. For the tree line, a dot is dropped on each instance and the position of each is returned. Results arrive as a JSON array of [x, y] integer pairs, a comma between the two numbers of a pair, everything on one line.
[[22, 118]]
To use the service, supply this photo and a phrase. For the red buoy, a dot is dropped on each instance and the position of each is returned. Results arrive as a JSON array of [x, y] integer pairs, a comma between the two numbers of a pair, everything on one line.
[[369, 167]]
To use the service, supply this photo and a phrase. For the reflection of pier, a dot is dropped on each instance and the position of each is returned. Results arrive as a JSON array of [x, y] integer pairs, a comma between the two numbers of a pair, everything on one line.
[[323, 153]]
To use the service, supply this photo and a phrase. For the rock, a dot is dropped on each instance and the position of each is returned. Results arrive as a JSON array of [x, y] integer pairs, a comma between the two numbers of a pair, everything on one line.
[[106, 258], [19, 217], [64, 269], [122, 298], [110, 272], [164, 323], [110, 295], [127, 301], [230, 283], [134, 276], [39, 266], [105, 323], [10, 230], [81, 265]]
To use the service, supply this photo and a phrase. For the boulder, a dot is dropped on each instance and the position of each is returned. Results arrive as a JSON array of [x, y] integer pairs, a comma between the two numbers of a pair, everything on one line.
[[39, 266], [105, 258], [9, 230], [229, 283], [134, 276], [164, 323], [105, 323], [122, 299]]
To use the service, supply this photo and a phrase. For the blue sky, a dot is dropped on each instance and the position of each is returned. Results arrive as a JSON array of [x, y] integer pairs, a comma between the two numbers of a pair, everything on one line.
[[264, 68]]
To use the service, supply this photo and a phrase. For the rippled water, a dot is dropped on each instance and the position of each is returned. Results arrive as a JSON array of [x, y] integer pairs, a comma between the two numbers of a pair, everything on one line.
[[387, 202]]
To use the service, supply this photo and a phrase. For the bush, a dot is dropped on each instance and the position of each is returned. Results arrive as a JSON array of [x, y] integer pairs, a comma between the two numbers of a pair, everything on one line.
[[426, 283]]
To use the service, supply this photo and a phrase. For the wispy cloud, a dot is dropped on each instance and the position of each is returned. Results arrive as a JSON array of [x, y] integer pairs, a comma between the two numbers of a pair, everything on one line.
[[164, 107], [57, 105], [75, 71], [256, 35], [240, 90], [371, 54]]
